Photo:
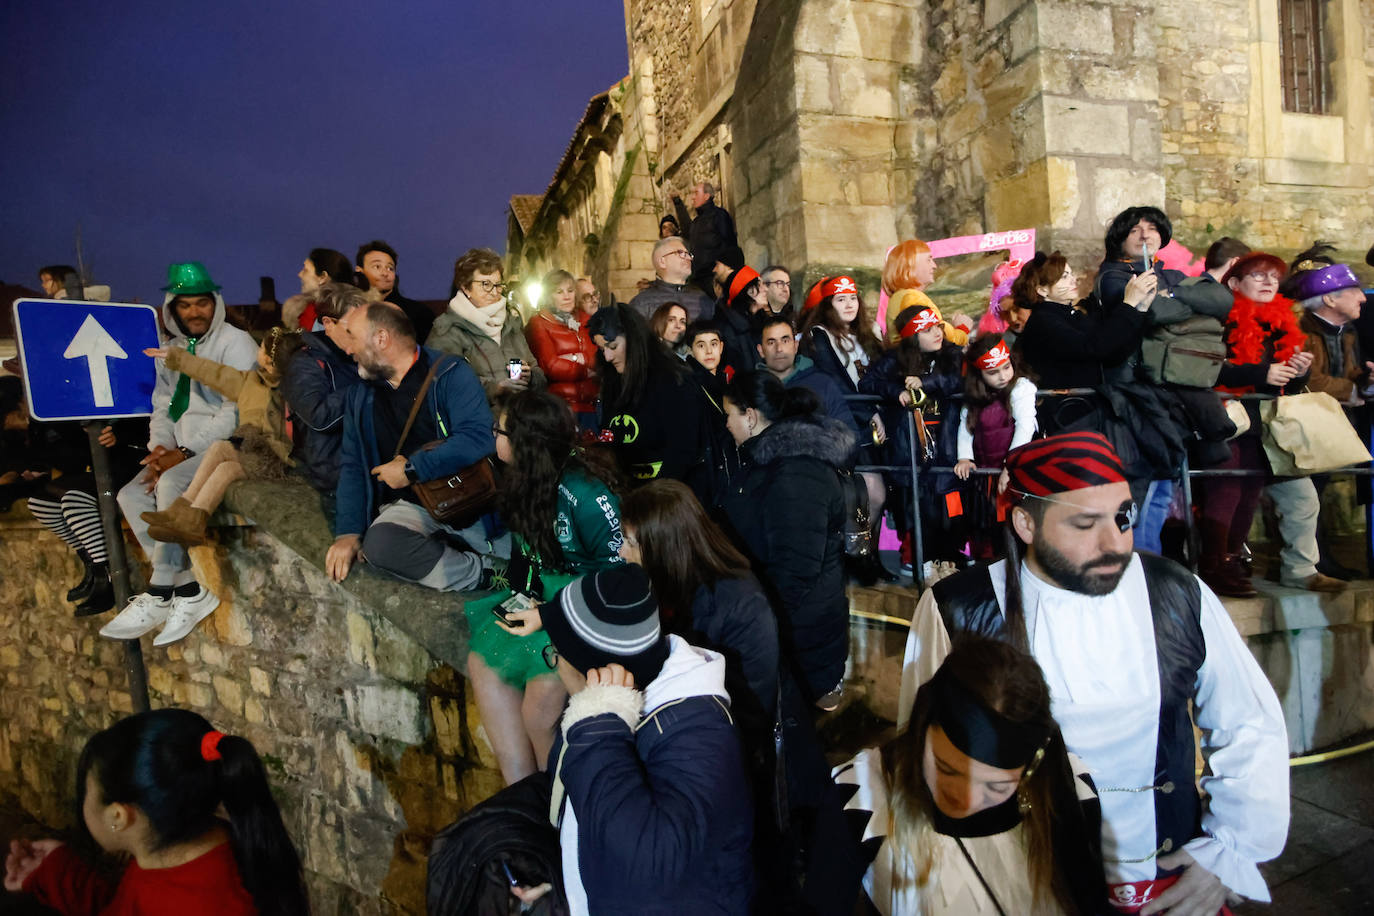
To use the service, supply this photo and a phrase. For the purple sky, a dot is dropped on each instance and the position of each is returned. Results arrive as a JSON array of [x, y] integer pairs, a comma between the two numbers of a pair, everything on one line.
[[245, 134]]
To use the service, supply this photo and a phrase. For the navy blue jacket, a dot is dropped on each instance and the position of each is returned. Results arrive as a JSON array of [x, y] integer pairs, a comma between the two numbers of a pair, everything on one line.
[[315, 388], [460, 410], [664, 816]]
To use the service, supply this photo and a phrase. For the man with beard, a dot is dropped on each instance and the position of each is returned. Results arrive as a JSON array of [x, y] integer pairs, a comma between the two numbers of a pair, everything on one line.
[[377, 513], [187, 419], [1127, 641]]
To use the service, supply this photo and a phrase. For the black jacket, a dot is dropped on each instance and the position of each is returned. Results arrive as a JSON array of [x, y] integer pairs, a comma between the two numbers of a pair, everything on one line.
[[712, 232], [418, 313], [663, 433], [787, 512], [735, 620], [315, 388], [1070, 348]]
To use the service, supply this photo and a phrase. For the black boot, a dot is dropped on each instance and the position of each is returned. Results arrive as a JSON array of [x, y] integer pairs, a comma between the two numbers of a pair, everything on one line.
[[82, 590], [101, 597]]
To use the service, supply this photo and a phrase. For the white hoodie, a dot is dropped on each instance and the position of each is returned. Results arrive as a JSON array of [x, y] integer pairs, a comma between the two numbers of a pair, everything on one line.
[[210, 416]]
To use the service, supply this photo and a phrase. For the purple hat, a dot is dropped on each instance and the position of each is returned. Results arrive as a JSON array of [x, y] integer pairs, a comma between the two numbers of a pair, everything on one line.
[[1328, 278]]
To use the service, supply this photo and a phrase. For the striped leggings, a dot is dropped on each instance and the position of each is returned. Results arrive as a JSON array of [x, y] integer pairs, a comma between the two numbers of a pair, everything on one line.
[[75, 518]]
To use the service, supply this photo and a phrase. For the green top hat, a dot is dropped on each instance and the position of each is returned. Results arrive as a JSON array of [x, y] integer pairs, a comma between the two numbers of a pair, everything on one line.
[[189, 278]]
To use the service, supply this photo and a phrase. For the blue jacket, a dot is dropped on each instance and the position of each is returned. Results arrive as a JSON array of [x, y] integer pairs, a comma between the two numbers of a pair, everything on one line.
[[661, 820], [460, 410], [316, 386]]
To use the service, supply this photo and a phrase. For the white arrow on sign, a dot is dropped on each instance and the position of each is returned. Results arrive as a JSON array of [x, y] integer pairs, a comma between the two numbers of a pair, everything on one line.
[[95, 343]]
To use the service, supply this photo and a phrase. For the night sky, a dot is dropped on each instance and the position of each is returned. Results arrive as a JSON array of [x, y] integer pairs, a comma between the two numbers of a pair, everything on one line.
[[245, 134]]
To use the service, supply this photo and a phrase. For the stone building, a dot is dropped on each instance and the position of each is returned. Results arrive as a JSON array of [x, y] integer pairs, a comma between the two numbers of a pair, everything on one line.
[[836, 127]]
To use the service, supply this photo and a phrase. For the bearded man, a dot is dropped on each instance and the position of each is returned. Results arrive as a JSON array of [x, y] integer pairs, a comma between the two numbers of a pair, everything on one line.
[[1127, 642]]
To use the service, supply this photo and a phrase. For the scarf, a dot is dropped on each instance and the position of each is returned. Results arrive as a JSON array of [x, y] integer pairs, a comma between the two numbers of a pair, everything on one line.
[[488, 319], [569, 320], [1252, 326], [181, 397]]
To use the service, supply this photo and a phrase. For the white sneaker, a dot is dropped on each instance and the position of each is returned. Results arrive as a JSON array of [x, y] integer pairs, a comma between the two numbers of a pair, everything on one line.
[[186, 613], [141, 614]]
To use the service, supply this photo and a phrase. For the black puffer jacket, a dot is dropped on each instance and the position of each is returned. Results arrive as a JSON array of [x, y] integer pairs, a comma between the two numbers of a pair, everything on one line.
[[786, 509]]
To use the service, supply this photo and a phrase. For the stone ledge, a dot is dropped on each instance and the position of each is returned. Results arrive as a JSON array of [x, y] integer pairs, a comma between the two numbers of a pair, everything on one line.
[[290, 511]]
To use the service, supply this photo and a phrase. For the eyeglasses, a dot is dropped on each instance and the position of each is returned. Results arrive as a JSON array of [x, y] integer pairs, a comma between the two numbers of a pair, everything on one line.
[[682, 251], [496, 430], [591, 297], [779, 283], [550, 655], [1262, 277], [488, 286]]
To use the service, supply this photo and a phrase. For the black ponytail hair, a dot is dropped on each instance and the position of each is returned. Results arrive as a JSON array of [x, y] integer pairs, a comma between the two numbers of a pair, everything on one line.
[[154, 760], [763, 392]]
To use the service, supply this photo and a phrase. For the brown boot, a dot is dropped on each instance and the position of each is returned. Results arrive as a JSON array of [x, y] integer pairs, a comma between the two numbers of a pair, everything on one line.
[[1317, 583], [183, 526], [160, 519]]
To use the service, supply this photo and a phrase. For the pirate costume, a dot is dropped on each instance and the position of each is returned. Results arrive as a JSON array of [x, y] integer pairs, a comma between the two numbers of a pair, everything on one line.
[[1122, 670]]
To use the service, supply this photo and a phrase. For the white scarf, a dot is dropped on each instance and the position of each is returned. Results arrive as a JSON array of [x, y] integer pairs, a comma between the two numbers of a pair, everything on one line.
[[488, 319]]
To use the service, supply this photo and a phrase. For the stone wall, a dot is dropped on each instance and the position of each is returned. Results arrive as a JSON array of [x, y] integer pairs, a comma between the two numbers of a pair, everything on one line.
[[372, 743], [1233, 161]]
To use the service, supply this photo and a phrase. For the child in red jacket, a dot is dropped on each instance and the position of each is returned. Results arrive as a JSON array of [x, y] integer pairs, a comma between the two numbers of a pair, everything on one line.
[[151, 787]]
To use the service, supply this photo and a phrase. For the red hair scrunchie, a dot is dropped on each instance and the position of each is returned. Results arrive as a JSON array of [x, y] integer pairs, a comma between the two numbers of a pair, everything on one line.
[[209, 745]]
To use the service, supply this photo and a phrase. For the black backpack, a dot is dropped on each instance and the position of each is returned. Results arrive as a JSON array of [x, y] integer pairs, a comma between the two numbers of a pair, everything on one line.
[[508, 836]]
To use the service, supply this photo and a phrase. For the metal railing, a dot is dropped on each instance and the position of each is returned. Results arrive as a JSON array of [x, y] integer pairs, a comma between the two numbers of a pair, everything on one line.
[[1183, 478]]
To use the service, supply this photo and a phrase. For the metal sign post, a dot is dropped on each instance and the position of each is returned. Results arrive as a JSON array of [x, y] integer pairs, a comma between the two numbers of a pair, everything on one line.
[[84, 361], [119, 562]]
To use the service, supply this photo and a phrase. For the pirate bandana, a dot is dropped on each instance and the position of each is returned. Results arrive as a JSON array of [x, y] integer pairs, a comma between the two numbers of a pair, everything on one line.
[[836, 285], [1045, 468], [923, 320], [995, 358]]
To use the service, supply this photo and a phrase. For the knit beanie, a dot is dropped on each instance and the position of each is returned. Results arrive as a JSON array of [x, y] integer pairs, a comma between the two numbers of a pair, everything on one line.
[[608, 617]]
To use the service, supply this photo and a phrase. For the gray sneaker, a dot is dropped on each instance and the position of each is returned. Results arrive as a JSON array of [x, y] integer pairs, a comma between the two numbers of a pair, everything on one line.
[[141, 614], [186, 613]]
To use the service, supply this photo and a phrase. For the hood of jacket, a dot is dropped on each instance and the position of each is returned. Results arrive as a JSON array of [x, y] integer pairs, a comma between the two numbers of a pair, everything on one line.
[[689, 671], [812, 436], [174, 331]]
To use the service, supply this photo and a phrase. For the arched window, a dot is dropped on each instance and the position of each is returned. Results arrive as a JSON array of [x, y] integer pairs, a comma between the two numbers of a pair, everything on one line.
[[1306, 54]]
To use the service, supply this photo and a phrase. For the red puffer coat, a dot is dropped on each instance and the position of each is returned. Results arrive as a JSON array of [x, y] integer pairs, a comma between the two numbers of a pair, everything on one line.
[[552, 342]]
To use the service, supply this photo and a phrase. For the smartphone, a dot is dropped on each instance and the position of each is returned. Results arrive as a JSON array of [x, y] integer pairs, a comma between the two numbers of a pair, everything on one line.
[[500, 612], [514, 367], [1145, 253]]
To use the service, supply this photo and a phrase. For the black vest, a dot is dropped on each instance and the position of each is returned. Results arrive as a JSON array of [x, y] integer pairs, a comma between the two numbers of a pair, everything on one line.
[[968, 604]]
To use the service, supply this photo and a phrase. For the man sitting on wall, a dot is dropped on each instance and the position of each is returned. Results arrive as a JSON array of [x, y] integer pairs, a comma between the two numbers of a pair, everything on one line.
[[378, 514]]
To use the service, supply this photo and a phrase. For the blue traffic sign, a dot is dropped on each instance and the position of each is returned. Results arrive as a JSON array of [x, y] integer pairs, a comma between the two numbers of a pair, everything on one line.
[[84, 360]]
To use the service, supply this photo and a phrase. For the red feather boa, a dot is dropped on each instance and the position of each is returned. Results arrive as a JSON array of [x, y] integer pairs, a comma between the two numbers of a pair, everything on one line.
[[1252, 327]]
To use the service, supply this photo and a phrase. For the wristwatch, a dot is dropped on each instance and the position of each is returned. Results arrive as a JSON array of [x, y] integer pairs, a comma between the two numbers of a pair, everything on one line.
[[186, 452], [411, 473]]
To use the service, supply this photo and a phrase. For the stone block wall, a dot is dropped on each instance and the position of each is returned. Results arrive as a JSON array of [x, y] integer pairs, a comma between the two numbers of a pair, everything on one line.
[[373, 744], [1233, 162]]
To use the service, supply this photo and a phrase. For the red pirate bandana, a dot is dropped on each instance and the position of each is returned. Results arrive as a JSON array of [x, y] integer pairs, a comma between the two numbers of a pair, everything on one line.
[[923, 320], [835, 285], [998, 356], [1058, 464]]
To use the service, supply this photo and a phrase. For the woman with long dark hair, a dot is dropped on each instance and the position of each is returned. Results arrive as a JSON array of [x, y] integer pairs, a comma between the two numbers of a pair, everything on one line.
[[838, 333], [559, 501], [651, 411], [193, 809], [976, 804], [706, 591], [787, 509]]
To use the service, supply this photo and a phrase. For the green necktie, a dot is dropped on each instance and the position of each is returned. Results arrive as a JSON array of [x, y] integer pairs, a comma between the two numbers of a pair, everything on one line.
[[181, 398]]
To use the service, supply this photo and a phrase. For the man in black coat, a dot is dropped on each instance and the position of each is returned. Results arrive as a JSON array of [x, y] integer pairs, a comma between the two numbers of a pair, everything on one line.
[[711, 234], [376, 266]]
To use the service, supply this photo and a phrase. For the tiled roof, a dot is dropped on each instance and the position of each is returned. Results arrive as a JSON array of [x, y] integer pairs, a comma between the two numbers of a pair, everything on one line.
[[526, 208]]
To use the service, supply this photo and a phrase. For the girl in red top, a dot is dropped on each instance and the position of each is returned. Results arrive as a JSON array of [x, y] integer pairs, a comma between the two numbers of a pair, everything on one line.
[[151, 787]]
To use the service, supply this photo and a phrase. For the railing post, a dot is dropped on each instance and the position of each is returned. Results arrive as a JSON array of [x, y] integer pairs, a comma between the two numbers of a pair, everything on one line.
[[917, 540]]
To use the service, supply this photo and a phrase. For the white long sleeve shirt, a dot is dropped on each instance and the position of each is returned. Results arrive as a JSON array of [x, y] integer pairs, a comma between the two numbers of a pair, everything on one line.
[[1022, 418], [1098, 655]]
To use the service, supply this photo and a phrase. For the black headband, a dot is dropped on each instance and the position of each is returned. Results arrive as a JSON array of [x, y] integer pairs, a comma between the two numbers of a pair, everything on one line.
[[981, 733]]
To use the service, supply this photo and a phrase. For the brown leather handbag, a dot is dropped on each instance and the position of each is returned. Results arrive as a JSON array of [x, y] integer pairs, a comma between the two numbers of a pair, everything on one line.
[[458, 499]]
